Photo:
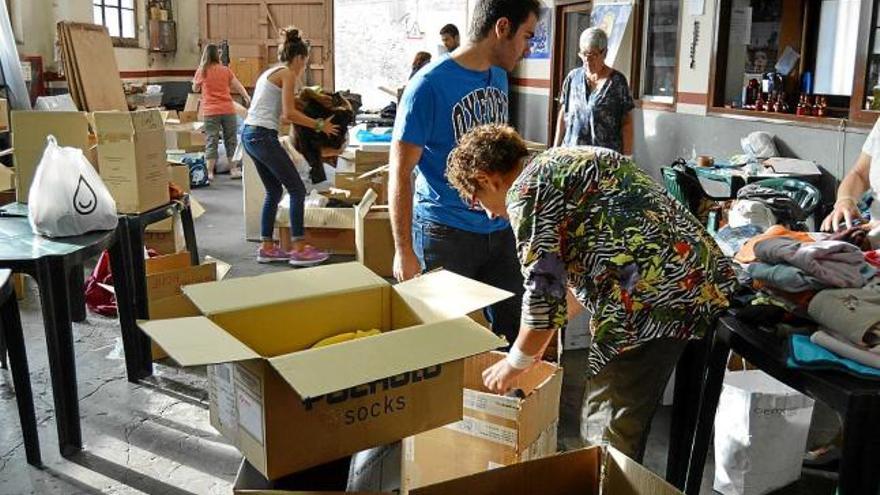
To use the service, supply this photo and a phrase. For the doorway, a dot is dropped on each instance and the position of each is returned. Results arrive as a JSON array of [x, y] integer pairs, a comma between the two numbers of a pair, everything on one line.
[[572, 18]]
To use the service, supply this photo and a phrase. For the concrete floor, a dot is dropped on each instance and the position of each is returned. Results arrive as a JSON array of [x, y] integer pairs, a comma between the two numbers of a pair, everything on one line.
[[155, 437]]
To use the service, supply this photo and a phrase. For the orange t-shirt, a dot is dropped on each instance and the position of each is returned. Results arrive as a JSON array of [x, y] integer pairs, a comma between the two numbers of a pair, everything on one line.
[[216, 97]]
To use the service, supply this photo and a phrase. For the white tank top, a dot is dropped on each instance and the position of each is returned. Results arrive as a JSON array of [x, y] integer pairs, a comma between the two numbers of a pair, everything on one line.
[[265, 109]]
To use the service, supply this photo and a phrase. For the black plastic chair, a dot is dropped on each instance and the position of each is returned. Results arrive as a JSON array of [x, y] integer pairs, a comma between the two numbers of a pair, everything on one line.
[[12, 342]]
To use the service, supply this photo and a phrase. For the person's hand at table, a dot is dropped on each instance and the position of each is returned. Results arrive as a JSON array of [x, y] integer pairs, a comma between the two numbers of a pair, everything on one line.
[[845, 210], [499, 377]]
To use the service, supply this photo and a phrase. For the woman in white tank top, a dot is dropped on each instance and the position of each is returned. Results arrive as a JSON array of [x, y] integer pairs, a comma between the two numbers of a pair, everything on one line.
[[274, 98]]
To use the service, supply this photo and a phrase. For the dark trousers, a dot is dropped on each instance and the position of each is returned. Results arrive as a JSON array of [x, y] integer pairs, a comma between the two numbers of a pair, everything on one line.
[[488, 258], [276, 170]]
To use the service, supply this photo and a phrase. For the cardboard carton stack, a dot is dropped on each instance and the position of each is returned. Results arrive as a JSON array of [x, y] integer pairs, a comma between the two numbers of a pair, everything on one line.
[[495, 430], [358, 171], [288, 407], [185, 130]]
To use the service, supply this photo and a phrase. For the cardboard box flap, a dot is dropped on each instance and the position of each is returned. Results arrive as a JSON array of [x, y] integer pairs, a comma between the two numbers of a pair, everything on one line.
[[329, 218], [337, 367], [443, 294], [147, 120], [366, 203], [248, 292], [196, 341], [624, 476], [112, 127]]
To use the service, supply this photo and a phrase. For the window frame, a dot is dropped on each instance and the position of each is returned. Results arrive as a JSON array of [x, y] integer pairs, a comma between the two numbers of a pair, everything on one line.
[[120, 41], [640, 56], [856, 116]]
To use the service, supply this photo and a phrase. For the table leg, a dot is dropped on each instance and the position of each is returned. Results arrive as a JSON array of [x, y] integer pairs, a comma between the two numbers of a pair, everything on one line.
[[716, 363], [52, 279], [861, 448], [11, 332], [686, 399], [76, 291], [138, 361], [139, 292], [189, 235], [3, 346]]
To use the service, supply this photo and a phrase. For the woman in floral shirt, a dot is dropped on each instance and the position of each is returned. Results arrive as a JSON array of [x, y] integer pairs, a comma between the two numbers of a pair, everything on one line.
[[593, 230]]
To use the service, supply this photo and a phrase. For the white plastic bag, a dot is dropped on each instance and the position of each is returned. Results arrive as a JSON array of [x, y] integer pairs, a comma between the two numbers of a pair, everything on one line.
[[67, 197], [761, 432], [748, 212], [376, 470]]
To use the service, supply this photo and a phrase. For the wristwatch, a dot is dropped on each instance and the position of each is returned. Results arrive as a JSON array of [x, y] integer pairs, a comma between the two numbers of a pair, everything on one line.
[[319, 125]]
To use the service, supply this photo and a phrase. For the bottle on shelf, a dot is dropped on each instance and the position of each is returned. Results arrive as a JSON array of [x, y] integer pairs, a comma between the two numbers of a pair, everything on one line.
[[823, 107], [799, 110], [759, 103], [817, 107]]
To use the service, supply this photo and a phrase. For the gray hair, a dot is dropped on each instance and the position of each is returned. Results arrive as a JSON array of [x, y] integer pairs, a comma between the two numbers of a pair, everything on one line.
[[593, 38]]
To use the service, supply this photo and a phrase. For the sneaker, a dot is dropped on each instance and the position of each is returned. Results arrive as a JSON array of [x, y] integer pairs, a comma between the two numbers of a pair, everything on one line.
[[272, 255], [309, 256], [235, 173]]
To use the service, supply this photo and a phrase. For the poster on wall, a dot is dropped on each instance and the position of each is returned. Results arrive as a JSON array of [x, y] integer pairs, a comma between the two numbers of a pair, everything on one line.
[[539, 45], [612, 18]]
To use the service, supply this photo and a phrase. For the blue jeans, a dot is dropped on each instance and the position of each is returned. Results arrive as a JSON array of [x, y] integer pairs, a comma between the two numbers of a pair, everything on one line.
[[488, 258], [276, 170]]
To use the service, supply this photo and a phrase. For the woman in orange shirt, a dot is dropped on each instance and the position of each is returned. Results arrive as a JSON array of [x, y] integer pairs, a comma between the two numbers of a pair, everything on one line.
[[216, 82]]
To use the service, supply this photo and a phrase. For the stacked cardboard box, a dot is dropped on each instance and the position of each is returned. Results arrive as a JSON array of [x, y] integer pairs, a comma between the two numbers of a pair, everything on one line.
[[358, 171], [495, 431], [189, 137], [288, 407], [132, 158], [166, 276]]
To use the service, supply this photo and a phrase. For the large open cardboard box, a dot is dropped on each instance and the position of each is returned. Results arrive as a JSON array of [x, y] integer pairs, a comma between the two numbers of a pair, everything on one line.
[[590, 471], [495, 431], [132, 156], [288, 407], [29, 132]]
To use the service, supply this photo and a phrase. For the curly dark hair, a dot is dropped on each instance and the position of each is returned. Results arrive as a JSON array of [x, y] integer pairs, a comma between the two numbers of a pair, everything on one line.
[[292, 45], [492, 148]]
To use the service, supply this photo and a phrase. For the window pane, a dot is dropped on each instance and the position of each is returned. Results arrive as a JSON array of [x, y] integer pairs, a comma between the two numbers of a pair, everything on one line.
[[114, 3], [128, 27], [98, 16], [128, 4], [836, 52], [112, 20], [752, 45], [660, 48]]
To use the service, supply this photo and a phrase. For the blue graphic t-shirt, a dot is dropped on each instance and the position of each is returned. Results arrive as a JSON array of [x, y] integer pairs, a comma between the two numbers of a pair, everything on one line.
[[440, 105]]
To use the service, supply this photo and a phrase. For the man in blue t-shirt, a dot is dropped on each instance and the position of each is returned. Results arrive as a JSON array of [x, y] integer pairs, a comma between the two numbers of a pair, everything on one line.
[[445, 100]]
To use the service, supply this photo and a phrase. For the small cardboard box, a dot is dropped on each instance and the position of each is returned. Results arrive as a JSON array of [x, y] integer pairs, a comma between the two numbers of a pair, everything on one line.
[[358, 185], [288, 407], [374, 241], [132, 159], [7, 178], [185, 136], [495, 431], [589, 471], [4, 114], [355, 161], [166, 242], [330, 229], [29, 132]]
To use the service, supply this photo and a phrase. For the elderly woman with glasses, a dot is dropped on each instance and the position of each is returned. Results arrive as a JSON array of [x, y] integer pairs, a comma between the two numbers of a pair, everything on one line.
[[595, 104]]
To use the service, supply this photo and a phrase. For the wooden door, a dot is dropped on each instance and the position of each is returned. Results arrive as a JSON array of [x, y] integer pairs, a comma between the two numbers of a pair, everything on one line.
[[571, 19], [252, 26]]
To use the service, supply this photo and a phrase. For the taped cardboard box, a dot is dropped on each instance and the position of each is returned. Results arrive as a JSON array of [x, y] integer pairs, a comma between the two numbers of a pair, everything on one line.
[[374, 241], [288, 407], [330, 229], [29, 132], [495, 431], [589, 471], [132, 158], [185, 136]]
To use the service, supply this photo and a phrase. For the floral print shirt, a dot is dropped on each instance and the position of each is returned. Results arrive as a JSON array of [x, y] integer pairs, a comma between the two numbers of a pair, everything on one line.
[[595, 118], [589, 219]]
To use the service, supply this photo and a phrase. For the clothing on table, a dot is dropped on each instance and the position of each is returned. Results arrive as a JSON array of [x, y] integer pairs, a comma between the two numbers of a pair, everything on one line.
[[835, 263], [590, 219], [265, 109], [594, 117], [846, 349], [808, 355], [439, 106], [216, 95], [872, 149], [487, 258], [276, 170], [785, 209], [620, 401], [747, 253], [786, 277], [310, 142], [856, 235], [853, 314], [731, 239], [215, 126]]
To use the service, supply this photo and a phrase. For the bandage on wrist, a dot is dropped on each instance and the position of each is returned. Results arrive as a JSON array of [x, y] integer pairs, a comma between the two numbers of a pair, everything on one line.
[[519, 360], [841, 199]]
